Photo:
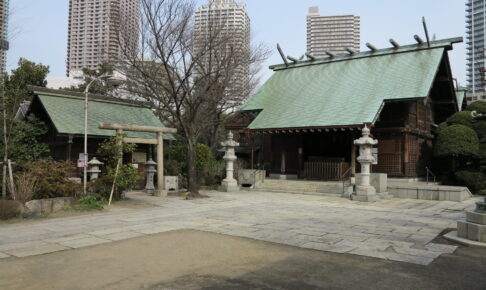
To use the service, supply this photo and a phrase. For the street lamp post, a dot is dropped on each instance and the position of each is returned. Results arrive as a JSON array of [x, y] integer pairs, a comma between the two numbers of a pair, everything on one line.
[[115, 81]]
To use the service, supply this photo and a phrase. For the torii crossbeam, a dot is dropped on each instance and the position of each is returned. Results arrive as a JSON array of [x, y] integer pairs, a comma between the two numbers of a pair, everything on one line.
[[159, 141]]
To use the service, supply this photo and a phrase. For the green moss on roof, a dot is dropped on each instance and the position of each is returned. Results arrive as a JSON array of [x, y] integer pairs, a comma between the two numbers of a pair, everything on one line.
[[67, 114]]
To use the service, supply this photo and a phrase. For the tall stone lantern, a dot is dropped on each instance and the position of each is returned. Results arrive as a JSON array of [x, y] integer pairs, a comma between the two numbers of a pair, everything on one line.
[[364, 190], [150, 169], [94, 169], [229, 183]]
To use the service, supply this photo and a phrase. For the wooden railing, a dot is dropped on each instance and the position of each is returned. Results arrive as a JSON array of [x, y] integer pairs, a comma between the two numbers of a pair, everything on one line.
[[325, 170]]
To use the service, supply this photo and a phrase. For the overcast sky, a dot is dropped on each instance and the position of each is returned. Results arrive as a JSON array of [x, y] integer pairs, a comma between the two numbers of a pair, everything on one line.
[[38, 28]]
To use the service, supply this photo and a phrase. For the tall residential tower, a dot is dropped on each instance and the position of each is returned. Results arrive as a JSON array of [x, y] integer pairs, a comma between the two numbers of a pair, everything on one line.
[[476, 54], [331, 33], [93, 31], [231, 20]]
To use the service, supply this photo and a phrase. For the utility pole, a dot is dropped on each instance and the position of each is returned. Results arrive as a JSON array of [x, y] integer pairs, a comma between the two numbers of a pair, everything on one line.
[[4, 45]]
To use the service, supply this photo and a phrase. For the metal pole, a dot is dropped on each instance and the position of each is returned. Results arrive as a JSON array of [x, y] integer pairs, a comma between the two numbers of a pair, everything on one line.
[[160, 163]]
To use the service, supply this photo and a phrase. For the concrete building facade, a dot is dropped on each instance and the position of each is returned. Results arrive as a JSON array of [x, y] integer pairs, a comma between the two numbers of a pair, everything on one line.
[[331, 33], [94, 27], [4, 12], [232, 21], [476, 49]]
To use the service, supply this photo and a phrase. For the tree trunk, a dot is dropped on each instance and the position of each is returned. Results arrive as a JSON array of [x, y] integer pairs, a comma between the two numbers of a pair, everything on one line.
[[191, 167]]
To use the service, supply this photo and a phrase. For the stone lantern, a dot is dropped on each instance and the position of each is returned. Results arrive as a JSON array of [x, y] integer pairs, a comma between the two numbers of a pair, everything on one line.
[[474, 227], [364, 190], [94, 169], [150, 169], [229, 183]]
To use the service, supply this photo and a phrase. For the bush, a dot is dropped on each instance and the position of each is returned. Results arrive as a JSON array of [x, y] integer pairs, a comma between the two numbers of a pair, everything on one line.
[[127, 179], [474, 180], [457, 140], [461, 118], [25, 186], [10, 209], [210, 170], [89, 202], [480, 128], [478, 106], [53, 178]]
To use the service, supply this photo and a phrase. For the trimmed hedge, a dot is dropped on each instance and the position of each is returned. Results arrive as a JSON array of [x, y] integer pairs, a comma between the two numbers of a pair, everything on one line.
[[457, 140], [461, 118], [474, 180], [478, 106]]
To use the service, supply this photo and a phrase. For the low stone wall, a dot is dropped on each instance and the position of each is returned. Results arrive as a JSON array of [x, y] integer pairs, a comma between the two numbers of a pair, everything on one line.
[[429, 192], [50, 205]]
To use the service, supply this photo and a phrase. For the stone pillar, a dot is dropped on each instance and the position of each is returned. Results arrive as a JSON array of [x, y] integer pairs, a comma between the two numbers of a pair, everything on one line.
[[229, 183], [150, 169], [94, 168], [160, 165], [364, 190]]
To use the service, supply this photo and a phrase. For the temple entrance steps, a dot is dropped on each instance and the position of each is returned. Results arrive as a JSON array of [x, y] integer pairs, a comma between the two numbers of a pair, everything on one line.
[[301, 187]]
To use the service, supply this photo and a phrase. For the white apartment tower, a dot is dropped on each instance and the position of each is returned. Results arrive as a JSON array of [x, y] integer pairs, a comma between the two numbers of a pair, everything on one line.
[[4, 12], [94, 26], [476, 48], [231, 20], [331, 33]]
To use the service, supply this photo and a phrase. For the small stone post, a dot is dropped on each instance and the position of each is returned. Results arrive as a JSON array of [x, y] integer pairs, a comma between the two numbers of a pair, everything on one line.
[[364, 190], [94, 169], [229, 183], [149, 186]]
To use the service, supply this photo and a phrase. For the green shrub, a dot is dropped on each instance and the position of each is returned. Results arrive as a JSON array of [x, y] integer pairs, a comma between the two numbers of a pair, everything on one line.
[[478, 106], [209, 169], [480, 128], [457, 140], [441, 127], [474, 180], [10, 209], [127, 179], [89, 202], [52, 178], [461, 118]]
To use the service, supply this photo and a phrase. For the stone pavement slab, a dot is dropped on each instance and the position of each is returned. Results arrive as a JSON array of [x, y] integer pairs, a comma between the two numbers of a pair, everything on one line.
[[397, 229], [37, 250], [84, 242]]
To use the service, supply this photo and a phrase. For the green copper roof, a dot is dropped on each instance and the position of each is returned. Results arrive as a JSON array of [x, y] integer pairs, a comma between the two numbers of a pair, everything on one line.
[[460, 95], [67, 114], [347, 90]]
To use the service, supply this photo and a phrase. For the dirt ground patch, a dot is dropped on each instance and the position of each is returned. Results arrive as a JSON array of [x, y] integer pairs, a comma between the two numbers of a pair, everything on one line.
[[200, 260]]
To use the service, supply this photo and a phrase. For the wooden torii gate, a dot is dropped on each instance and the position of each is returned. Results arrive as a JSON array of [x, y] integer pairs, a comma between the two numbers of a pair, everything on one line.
[[159, 142]]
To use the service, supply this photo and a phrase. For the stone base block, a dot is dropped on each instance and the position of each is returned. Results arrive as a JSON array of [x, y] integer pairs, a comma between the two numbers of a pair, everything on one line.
[[229, 188], [365, 198], [160, 193], [385, 195], [476, 217], [471, 231], [378, 180]]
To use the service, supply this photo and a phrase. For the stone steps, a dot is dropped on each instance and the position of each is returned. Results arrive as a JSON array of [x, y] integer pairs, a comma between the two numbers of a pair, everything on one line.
[[301, 187]]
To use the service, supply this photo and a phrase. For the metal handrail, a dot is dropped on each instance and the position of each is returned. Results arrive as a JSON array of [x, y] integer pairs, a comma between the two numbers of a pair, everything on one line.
[[428, 171], [343, 179]]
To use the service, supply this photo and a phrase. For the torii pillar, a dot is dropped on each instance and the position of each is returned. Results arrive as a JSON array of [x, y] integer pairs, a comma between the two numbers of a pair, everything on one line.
[[159, 142]]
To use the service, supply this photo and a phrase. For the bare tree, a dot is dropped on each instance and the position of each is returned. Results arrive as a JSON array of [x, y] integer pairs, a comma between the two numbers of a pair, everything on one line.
[[186, 74]]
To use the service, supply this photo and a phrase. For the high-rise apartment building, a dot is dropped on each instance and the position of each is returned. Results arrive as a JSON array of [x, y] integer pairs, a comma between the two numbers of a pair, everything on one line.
[[230, 20], [4, 11], [94, 26], [331, 33], [476, 48]]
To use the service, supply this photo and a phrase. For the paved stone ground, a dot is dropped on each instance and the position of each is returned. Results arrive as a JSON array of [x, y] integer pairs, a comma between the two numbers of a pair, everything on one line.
[[398, 229]]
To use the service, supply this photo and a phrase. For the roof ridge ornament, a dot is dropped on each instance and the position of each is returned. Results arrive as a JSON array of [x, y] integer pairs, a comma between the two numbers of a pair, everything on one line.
[[394, 43]]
